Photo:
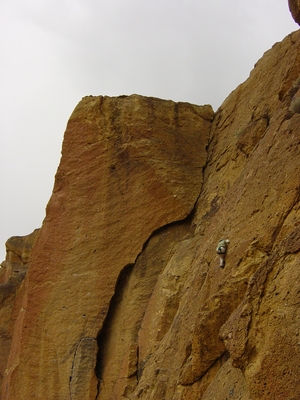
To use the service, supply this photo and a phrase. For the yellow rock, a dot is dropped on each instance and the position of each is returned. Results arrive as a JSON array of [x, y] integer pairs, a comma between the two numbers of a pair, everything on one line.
[[124, 297]]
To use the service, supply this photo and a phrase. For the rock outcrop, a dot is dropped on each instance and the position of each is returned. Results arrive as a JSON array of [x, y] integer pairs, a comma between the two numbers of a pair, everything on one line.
[[294, 6], [12, 274], [130, 166], [124, 297]]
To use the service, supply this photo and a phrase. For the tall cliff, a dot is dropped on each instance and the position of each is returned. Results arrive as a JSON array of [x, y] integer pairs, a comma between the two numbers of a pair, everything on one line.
[[124, 297]]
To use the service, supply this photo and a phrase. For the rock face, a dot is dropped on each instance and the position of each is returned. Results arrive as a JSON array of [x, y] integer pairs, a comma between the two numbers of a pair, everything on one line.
[[130, 166], [294, 6], [124, 297], [12, 273]]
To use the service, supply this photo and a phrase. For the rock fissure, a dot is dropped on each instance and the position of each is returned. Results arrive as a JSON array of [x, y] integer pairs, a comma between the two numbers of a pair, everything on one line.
[[82, 366], [72, 369], [122, 289], [172, 162], [116, 298], [220, 360]]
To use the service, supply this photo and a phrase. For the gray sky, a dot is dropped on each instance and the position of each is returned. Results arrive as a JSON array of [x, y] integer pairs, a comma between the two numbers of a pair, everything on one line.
[[54, 52]]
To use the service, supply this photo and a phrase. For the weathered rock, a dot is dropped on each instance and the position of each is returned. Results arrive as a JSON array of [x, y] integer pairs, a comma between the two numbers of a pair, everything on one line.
[[250, 191], [12, 273], [125, 264], [294, 6], [18, 253], [262, 335], [121, 343], [130, 165], [229, 383]]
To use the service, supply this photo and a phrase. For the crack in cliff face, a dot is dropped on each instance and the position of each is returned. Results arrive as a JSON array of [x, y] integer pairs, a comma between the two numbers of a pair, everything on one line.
[[104, 334], [103, 337], [118, 338], [82, 367], [72, 370], [218, 362]]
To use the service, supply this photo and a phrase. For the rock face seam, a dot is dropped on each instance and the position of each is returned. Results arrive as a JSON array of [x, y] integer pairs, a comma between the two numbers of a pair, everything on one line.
[[82, 366], [159, 238]]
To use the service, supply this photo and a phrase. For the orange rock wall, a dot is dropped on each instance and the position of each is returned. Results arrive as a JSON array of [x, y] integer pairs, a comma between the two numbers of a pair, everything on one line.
[[12, 273], [124, 297], [130, 166]]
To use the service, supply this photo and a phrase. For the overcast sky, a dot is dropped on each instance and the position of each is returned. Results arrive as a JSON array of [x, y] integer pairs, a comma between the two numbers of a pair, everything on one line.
[[54, 52]]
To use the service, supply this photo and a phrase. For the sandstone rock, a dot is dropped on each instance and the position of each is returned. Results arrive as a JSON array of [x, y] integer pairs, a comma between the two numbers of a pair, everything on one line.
[[248, 197], [13, 270], [294, 6], [126, 257], [130, 165], [18, 252], [229, 383], [123, 340]]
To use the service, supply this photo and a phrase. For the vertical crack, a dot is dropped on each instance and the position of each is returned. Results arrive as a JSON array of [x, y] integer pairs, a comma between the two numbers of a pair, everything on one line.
[[118, 366], [82, 370], [72, 369], [105, 332]]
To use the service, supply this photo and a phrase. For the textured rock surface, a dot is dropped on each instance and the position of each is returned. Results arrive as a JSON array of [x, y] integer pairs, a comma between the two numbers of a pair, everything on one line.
[[12, 273], [130, 165], [125, 267], [251, 195], [294, 6]]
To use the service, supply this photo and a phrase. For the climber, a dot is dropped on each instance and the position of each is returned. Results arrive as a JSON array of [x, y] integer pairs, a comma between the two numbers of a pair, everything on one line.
[[222, 250]]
